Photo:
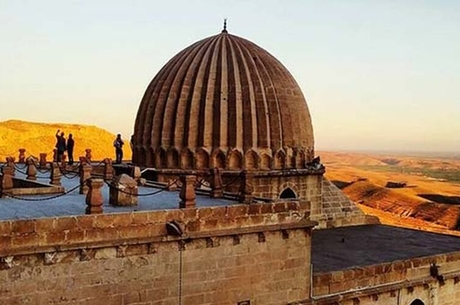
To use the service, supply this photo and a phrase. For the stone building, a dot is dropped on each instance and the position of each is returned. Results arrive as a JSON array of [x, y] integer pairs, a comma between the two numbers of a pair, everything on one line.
[[226, 108]]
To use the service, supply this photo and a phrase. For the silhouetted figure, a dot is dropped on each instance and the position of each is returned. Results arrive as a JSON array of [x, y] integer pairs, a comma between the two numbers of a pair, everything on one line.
[[60, 145], [70, 145], [118, 144]]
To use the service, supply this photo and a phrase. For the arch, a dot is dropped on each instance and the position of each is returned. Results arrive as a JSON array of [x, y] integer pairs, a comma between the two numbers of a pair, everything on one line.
[[160, 158], [218, 159], [150, 157], [173, 158], [265, 161], [202, 159], [135, 155], [235, 160], [142, 155], [300, 159], [251, 160], [280, 159], [290, 157], [417, 302], [288, 193], [186, 159]]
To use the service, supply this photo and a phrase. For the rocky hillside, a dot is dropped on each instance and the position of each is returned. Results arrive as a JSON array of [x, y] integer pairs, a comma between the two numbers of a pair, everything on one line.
[[39, 138], [414, 189]]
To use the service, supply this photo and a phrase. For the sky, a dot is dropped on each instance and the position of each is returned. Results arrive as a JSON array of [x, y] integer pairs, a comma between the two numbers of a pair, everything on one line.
[[377, 75]]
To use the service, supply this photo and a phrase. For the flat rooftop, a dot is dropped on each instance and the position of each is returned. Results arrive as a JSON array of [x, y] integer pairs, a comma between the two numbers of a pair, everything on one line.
[[73, 203], [358, 246]]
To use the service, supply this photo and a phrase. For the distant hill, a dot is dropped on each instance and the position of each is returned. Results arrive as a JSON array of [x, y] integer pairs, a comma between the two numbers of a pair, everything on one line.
[[39, 138]]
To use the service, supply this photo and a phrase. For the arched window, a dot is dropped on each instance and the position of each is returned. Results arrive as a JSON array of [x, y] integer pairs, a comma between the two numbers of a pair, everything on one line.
[[417, 302], [288, 193]]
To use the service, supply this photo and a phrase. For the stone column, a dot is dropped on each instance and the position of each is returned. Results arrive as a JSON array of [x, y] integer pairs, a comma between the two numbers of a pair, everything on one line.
[[6, 179], [136, 173], [216, 183], [42, 160], [31, 169], [108, 169], [63, 162], [94, 199], [246, 188], [55, 178], [22, 156], [85, 174], [187, 192], [88, 155]]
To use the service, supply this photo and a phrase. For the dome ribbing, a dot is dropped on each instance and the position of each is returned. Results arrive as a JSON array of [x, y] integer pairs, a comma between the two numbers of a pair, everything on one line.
[[223, 102]]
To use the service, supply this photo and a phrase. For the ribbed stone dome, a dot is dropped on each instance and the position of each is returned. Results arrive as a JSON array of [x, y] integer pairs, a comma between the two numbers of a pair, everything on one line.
[[223, 102]]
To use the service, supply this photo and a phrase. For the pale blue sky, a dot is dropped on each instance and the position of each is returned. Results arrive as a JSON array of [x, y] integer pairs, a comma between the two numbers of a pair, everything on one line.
[[381, 75]]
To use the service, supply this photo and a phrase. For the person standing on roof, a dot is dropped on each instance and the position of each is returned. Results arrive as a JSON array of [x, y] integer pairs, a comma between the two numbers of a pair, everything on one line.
[[60, 145], [70, 145], [118, 144]]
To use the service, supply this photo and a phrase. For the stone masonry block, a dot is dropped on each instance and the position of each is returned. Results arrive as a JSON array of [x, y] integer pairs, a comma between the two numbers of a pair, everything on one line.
[[23, 227]]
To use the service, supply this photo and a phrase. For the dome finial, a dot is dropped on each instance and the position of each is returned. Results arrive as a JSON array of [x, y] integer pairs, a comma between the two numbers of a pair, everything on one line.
[[225, 26]]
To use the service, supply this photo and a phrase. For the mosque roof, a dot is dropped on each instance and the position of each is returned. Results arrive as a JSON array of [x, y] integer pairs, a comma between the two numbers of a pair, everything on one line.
[[73, 204], [222, 94], [358, 246]]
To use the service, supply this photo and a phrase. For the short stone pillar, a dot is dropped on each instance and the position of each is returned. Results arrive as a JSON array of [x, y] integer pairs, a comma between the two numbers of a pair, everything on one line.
[[54, 155], [94, 199], [187, 192], [88, 155], [216, 183], [55, 178], [82, 160], [31, 169], [136, 173], [42, 161], [108, 169], [85, 174], [6, 179], [63, 161], [22, 155], [246, 188], [10, 164], [123, 191]]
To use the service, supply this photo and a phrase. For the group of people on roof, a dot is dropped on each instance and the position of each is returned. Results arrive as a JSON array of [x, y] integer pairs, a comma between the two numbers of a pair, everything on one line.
[[62, 146]]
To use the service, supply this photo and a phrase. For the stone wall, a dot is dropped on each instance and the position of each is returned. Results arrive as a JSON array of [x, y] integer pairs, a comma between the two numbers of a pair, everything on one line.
[[337, 210], [305, 184], [227, 255], [434, 280]]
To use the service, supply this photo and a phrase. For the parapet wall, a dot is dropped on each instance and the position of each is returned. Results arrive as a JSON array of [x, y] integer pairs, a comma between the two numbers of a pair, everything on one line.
[[426, 278], [24, 236], [228, 255]]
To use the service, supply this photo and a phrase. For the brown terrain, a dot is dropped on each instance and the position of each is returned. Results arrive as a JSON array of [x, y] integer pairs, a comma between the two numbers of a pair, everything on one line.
[[420, 192], [39, 138]]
